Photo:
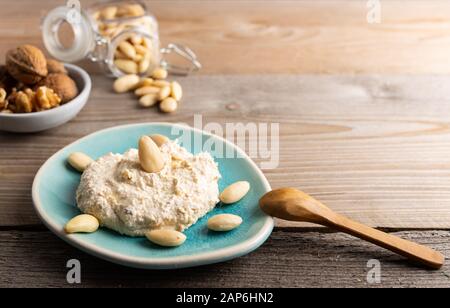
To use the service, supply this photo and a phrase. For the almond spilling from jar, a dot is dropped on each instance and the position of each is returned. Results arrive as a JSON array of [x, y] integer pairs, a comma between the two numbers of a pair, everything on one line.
[[126, 83], [150, 156], [234, 192], [147, 90], [176, 90], [160, 73], [82, 224], [79, 161], [168, 105], [164, 93], [148, 100], [161, 83], [224, 222], [144, 63], [166, 237], [159, 139], [145, 82]]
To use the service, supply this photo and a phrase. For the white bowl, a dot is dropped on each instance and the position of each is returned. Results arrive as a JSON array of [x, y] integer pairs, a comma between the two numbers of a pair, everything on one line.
[[43, 120]]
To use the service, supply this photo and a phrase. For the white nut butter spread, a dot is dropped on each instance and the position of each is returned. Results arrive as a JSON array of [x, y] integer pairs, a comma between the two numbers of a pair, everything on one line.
[[125, 198]]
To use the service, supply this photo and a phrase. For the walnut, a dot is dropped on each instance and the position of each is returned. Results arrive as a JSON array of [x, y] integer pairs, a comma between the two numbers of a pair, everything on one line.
[[55, 67], [23, 103], [46, 98], [62, 84], [27, 64], [3, 101], [28, 100]]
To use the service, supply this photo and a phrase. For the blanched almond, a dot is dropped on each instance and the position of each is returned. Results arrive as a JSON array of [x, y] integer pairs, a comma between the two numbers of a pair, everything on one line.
[[108, 12], [117, 30], [145, 82], [136, 40], [159, 139], [166, 237], [234, 192], [148, 100], [138, 58], [79, 161], [126, 83], [144, 64], [120, 55], [147, 90], [168, 105], [164, 92], [150, 156], [82, 224], [176, 90], [135, 10], [147, 43], [159, 73], [161, 83], [127, 49], [224, 222], [141, 49], [126, 66]]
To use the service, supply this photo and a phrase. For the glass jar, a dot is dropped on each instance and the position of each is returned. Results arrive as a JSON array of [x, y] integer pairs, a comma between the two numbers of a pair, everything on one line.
[[122, 36]]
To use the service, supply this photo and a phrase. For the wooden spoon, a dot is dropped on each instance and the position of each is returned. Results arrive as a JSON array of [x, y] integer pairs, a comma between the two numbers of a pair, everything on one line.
[[292, 204]]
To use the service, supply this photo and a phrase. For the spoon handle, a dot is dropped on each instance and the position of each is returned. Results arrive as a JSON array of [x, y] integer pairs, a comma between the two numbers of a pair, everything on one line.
[[410, 250]]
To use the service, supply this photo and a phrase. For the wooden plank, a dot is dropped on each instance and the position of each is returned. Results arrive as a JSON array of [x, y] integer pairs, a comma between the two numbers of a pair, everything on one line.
[[373, 148], [289, 259], [261, 36]]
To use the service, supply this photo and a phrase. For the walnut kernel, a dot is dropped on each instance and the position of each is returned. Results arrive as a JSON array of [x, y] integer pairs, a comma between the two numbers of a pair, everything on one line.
[[3, 102], [47, 98]]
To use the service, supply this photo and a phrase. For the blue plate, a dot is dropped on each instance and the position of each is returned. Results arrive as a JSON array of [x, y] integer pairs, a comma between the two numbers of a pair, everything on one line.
[[54, 200]]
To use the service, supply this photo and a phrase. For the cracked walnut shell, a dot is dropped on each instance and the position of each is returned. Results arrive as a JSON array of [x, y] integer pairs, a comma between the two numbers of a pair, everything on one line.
[[27, 64]]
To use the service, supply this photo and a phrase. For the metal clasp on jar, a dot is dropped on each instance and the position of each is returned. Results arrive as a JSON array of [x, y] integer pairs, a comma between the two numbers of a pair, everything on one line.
[[184, 52]]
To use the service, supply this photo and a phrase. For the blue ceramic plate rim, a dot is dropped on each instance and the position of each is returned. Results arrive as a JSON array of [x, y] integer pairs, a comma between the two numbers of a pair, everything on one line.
[[209, 257]]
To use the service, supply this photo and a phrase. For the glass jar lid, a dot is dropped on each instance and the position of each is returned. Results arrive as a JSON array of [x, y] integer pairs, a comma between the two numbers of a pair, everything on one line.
[[83, 35]]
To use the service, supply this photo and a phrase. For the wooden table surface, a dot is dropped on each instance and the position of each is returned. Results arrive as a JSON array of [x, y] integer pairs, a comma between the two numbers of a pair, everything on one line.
[[364, 126]]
